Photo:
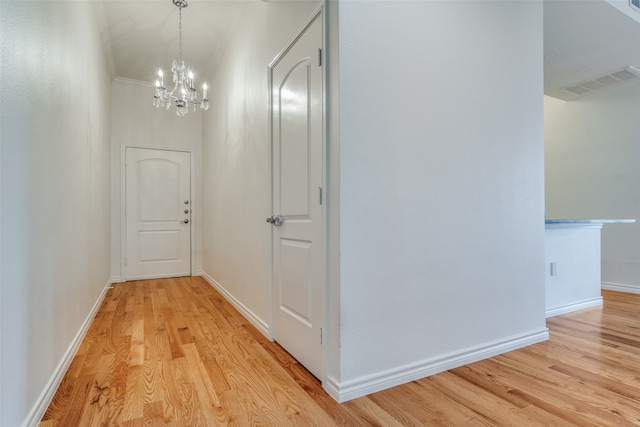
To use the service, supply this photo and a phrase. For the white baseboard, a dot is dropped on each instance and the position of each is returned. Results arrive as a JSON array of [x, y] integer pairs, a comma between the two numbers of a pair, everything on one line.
[[116, 279], [621, 287], [244, 310], [197, 273], [42, 403], [556, 311], [363, 386], [332, 387]]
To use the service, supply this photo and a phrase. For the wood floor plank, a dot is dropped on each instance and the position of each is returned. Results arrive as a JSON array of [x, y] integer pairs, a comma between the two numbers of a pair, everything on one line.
[[207, 395], [138, 422], [551, 396], [98, 398], [192, 413], [136, 354], [133, 407], [394, 405], [172, 402], [77, 401], [592, 379], [118, 383], [491, 407], [152, 386], [153, 414], [372, 414], [174, 352], [442, 405]]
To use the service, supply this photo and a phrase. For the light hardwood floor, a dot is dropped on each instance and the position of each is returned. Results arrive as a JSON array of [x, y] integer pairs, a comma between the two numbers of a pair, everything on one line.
[[174, 352]]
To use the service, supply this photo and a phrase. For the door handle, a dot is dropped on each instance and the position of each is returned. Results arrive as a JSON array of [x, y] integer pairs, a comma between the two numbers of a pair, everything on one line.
[[276, 220], [186, 221]]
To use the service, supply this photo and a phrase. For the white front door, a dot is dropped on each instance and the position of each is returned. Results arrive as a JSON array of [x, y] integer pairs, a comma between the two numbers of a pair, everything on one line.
[[298, 243], [157, 213]]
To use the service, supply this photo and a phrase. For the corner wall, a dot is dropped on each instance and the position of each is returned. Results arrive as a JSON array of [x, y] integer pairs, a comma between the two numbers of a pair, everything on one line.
[[55, 112], [441, 187], [591, 169]]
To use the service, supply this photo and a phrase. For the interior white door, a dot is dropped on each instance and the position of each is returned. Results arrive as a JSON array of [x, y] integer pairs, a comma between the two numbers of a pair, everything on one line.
[[298, 243], [157, 213]]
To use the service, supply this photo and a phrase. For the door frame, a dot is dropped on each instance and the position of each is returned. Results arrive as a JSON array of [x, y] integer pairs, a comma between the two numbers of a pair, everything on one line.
[[123, 204], [318, 13]]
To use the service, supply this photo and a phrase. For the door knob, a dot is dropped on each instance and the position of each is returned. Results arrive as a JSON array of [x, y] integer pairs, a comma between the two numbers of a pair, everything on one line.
[[276, 220], [186, 221]]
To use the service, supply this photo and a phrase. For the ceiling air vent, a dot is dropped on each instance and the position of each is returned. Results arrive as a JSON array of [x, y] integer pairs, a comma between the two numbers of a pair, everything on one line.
[[621, 76]]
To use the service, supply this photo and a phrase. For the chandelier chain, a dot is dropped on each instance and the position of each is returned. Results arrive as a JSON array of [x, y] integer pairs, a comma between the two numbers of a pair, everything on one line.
[[180, 32]]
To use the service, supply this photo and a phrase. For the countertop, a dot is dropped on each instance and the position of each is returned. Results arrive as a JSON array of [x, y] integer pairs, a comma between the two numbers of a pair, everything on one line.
[[589, 221], [584, 223]]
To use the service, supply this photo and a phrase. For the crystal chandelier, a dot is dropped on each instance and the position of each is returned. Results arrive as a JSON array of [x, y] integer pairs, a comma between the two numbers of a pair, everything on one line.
[[184, 91]]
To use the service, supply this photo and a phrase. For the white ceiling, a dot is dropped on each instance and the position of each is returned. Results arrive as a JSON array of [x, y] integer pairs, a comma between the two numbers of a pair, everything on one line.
[[583, 39], [586, 39], [143, 35]]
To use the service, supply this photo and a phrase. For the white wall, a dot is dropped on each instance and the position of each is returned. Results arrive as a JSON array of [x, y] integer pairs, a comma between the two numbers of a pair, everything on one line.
[[136, 122], [236, 179], [55, 106], [591, 170], [441, 186]]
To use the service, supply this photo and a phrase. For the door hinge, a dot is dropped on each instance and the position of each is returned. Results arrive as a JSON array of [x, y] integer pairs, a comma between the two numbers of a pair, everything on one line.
[[125, 260], [320, 336], [319, 57], [320, 194]]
